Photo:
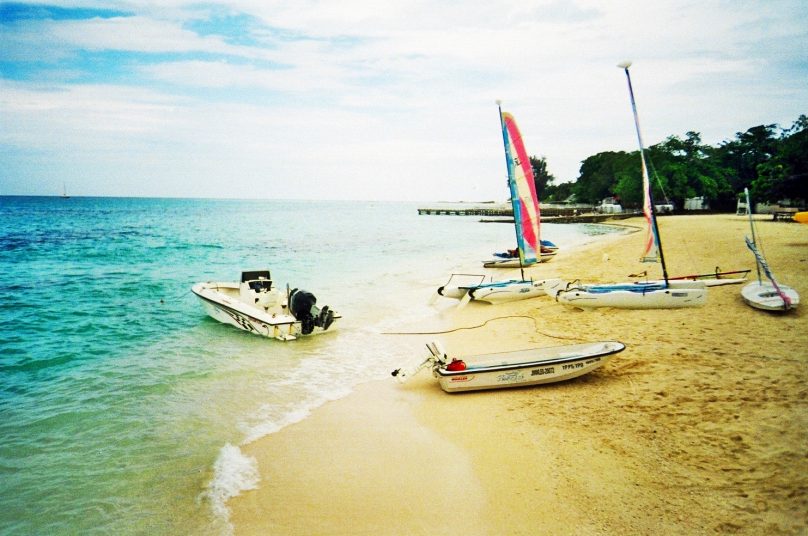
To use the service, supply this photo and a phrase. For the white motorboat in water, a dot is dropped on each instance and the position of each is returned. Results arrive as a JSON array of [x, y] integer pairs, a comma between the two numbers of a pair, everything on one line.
[[255, 305], [521, 368]]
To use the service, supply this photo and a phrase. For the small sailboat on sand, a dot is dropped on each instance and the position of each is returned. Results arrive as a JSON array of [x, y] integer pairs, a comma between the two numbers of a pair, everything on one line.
[[766, 295], [665, 294], [526, 218]]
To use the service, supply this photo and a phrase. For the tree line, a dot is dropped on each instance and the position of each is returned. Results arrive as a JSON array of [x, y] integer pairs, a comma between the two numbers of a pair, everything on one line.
[[771, 161]]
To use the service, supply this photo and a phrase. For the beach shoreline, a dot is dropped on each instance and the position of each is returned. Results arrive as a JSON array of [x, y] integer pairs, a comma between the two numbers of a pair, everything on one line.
[[698, 426]]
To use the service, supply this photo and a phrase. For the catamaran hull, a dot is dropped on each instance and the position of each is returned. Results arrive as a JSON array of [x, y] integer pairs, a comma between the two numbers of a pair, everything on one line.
[[763, 295], [514, 263], [459, 284], [453, 292], [527, 367], [507, 291], [676, 295], [274, 324]]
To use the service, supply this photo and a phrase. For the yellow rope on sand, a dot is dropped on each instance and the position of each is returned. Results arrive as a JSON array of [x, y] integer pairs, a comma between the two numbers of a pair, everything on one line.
[[479, 326]]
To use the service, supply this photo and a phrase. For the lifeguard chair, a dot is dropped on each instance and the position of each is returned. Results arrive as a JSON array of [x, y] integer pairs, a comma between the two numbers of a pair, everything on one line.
[[741, 209]]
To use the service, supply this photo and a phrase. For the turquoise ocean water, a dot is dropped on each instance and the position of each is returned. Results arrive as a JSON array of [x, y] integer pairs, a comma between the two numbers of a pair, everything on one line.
[[122, 406]]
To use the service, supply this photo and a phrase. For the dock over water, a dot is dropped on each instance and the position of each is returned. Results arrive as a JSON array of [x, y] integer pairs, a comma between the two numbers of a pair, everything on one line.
[[504, 212]]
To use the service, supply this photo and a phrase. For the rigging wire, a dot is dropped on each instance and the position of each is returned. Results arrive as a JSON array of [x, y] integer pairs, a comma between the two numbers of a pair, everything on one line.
[[656, 177], [683, 242]]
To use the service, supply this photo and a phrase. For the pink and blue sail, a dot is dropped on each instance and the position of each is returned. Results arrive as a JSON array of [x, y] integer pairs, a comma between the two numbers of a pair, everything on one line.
[[526, 213]]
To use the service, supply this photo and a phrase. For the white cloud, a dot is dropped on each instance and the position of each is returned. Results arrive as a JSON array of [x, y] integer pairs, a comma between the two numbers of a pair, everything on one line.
[[350, 100]]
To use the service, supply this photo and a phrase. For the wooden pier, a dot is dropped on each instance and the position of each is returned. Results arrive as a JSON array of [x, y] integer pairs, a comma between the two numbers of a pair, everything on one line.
[[504, 212], [465, 209]]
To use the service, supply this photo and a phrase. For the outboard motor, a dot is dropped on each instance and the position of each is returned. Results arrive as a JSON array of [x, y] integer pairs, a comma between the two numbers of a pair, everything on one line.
[[303, 305]]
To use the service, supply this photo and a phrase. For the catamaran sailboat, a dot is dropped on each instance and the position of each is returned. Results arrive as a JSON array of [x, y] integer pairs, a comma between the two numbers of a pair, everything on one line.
[[526, 218], [663, 294], [510, 258]]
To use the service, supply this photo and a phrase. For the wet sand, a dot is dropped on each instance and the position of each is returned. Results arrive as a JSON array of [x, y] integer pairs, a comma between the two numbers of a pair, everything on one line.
[[699, 426]]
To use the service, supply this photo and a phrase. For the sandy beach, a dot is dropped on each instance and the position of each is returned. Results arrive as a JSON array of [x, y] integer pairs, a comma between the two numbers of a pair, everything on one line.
[[699, 427]]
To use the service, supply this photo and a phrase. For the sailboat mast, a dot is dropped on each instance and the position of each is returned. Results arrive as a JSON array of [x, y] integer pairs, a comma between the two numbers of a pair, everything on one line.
[[508, 163], [646, 180], [752, 225]]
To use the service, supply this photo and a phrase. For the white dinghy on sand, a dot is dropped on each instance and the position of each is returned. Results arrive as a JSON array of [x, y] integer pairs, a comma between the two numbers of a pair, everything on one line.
[[521, 368]]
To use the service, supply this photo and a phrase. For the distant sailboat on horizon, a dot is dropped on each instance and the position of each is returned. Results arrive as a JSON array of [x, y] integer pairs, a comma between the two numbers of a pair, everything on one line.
[[64, 192]]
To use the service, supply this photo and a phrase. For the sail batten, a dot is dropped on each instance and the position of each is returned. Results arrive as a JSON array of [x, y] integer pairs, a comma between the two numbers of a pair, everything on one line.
[[524, 200]]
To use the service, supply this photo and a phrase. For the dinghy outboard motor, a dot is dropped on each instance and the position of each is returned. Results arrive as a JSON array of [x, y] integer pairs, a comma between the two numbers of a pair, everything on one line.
[[303, 305]]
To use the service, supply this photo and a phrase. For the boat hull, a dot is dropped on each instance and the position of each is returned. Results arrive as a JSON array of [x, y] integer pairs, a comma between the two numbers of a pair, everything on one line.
[[456, 293], [514, 262], [220, 302], [459, 284], [506, 291], [527, 367], [651, 295], [763, 295]]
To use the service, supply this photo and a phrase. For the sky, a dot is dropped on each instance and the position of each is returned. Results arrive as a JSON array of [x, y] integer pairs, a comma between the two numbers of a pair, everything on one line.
[[362, 100]]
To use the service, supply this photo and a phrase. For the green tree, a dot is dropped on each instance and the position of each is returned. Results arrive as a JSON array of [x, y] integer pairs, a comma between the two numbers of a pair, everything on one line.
[[599, 175], [771, 161], [785, 174], [741, 158], [684, 168], [558, 193], [541, 177], [628, 185]]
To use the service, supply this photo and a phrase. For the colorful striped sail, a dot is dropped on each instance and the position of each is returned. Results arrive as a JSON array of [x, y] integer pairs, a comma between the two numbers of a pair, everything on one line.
[[651, 247], [525, 202]]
